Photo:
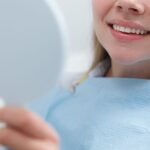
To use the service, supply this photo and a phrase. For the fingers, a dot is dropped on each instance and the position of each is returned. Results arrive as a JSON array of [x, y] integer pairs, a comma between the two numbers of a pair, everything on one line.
[[17, 141], [27, 122]]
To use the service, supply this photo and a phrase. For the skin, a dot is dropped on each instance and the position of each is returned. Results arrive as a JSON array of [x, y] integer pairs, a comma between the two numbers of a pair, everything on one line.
[[129, 59], [26, 131]]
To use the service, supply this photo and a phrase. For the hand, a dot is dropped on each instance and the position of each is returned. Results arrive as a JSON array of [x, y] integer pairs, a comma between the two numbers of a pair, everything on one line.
[[26, 131]]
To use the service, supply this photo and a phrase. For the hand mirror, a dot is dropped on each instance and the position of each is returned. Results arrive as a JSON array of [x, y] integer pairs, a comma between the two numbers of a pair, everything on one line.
[[33, 42]]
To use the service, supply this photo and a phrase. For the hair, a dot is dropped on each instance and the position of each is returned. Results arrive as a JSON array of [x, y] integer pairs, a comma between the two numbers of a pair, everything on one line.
[[99, 54]]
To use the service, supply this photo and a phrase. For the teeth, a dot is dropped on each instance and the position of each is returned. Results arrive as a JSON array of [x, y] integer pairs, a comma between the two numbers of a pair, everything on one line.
[[129, 30]]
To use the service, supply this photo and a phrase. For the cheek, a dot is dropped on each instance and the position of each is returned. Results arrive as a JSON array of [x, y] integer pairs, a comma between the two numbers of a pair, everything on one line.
[[101, 8]]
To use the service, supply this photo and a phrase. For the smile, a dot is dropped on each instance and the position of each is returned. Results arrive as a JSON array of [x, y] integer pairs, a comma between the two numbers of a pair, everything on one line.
[[128, 30], [127, 34]]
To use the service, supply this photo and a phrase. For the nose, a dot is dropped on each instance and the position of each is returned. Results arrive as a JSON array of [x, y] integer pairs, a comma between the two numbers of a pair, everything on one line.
[[130, 6]]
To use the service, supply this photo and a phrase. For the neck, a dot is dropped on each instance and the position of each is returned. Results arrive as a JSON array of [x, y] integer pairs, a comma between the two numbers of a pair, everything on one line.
[[138, 70]]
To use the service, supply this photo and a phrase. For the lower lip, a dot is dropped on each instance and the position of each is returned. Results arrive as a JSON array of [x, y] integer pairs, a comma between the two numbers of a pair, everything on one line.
[[126, 37]]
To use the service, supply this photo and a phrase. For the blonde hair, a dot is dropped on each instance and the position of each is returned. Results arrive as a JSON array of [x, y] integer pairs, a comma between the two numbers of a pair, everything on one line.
[[99, 54]]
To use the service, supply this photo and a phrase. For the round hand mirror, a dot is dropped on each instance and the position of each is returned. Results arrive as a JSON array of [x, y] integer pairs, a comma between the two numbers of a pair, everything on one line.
[[33, 42]]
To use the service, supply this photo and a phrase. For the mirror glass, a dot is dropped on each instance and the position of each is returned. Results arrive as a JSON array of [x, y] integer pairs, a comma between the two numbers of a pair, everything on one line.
[[32, 49]]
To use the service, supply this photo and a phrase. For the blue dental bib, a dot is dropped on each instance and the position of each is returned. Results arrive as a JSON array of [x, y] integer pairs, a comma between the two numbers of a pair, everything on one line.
[[102, 114]]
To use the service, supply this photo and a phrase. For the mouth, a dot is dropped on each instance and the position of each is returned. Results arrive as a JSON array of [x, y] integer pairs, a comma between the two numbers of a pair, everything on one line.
[[128, 30]]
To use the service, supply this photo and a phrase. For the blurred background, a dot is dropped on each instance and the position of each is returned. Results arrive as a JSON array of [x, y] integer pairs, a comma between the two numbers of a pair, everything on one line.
[[42, 41], [78, 16]]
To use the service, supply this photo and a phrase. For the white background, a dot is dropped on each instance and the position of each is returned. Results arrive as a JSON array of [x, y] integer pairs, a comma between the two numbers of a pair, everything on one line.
[[78, 17]]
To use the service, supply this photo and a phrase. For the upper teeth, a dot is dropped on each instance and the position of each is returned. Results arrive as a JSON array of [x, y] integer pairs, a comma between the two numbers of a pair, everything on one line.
[[129, 30]]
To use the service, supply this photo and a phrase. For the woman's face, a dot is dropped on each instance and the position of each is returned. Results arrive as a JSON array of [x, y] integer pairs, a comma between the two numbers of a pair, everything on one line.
[[132, 17]]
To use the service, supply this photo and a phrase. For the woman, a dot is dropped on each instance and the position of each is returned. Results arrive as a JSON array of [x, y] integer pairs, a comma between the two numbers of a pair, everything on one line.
[[111, 108]]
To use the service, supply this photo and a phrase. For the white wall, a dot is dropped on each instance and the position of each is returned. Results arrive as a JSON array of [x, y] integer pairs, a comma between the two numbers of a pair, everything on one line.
[[78, 16]]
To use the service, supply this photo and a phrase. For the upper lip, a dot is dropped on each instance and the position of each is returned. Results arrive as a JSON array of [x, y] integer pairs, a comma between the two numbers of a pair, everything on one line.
[[127, 24]]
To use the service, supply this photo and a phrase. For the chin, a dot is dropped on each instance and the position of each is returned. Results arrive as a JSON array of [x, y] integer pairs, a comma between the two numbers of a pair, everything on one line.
[[124, 59]]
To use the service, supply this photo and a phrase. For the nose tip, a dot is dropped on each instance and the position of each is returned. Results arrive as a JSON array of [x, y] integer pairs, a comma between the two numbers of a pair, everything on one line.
[[130, 6]]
